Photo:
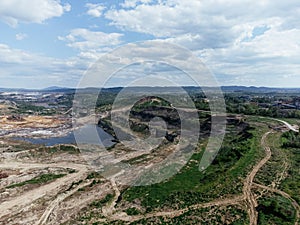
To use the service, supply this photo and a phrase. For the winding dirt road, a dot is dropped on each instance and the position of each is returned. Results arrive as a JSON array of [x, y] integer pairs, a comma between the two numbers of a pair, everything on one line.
[[282, 193], [16, 204], [247, 197], [250, 198]]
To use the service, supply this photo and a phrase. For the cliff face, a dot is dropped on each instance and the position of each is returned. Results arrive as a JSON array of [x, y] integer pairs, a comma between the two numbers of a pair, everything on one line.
[[139, 122]]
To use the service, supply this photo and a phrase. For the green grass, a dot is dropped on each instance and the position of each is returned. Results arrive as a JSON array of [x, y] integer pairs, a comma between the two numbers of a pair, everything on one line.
[[58, 149], [102, 202], [227, 215], [44, 178], [273, 169], [275, 210], [291, 184], [190, 186], [132, 211]]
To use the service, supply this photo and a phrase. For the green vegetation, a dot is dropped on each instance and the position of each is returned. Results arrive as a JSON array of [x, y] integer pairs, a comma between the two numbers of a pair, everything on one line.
[[69, 149], [25, 108], [269, 105], [93, 175], [102, 202], [224, 178], [190, 186], [96, 178], [93, 212], [291, 184], [132, 211], [74, 184], [59, 148], [275, 210], [275, 169], [150, 102], [291, 139], [44, 178], [226, 215]]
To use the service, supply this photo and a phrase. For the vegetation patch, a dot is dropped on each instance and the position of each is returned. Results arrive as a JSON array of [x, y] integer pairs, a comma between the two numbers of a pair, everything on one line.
[[275, 210], [190, 186], [102, 202], [290, 145], [44, 178]]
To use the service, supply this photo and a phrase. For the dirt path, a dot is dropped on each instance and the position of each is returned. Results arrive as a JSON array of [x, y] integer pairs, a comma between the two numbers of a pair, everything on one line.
[[250, 198], [16, 204], [247, 195], [289, 126], [57, 201], [284, 194], [109, 209], [248, 184], [174, 213], [111, 213]]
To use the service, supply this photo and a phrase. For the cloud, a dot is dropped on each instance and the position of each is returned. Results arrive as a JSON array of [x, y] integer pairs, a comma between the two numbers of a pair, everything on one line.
[[19, 68], [242, 42], [84, 39], [21, 36], [8, 55], [13, 12], [134, 3], [266, 59], [206, 24], [94, 10]]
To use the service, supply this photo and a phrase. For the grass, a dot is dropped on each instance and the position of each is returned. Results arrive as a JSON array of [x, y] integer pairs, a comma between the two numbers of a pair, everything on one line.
[[44, 178], [223, 177], [225, 215], [132, 211], [58, 149], [275, 210], [291, 184], [102, 202], [273, 169], [283, 160]]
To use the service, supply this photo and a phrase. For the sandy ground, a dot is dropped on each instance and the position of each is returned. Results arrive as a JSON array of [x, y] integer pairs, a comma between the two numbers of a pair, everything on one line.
[[31, 122], [63, 199]]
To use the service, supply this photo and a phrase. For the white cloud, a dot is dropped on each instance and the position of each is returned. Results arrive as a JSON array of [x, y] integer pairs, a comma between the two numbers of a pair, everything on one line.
[[8, 55], [21, 36], [94, 10], [19, 68], [207, 23], [84, 39], [243, 42], [248, 42], [267, 59], [134, 3], [13, 12]]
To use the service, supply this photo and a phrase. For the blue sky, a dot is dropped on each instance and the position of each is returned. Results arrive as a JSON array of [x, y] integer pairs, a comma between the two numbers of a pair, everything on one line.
[[50, 42]]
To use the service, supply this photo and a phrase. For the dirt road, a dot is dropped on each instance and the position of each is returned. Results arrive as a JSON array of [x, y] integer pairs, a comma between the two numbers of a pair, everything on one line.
[[247, 196], [250, 198], [16, 204], [282, 193]]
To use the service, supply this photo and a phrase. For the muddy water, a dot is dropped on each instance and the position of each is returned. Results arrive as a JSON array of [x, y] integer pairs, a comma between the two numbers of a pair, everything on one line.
[[84, 135]]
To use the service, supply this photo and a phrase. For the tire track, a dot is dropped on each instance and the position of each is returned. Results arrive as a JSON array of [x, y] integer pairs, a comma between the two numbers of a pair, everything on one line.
[[249, 197]]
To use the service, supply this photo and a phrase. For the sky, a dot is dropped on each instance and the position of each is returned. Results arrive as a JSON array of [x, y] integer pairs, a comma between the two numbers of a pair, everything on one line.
[[53, 42]]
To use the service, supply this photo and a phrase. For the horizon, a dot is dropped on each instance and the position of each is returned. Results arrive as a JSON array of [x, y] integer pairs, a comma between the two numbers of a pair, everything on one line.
[[115, 87]]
